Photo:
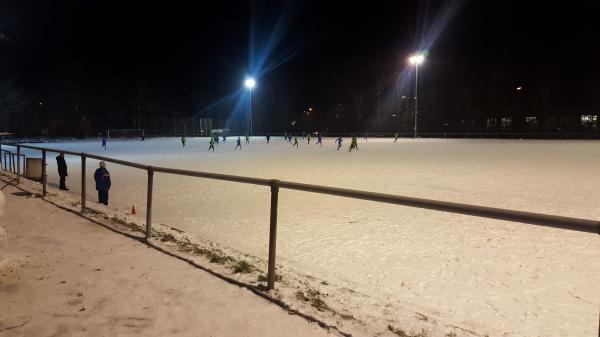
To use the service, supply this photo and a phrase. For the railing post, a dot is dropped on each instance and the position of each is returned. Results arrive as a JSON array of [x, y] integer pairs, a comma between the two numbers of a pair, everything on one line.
[[149, 204], [44, 176], [273, 234], [18, 161], [82, 183]]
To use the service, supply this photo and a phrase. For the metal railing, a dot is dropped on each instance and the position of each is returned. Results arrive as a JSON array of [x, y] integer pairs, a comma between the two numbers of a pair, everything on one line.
[[576, 224], [11, 161]]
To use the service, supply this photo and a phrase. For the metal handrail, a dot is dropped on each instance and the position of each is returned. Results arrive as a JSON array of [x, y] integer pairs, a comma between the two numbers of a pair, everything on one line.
[[117, 161], [576, 224]]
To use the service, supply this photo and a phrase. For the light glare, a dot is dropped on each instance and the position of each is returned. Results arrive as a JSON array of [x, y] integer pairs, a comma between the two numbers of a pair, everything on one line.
[[416, 59], [250, 83]]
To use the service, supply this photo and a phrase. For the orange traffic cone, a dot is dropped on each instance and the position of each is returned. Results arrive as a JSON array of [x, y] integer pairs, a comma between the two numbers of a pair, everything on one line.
[[133, 210]]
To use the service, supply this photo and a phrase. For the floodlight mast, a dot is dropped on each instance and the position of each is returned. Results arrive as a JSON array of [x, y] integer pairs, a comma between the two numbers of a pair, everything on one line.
[[416, 60], [250, 83]]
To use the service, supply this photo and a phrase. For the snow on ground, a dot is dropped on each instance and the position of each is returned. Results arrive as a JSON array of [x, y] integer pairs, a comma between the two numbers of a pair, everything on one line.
[[66, 276], [488, 276]]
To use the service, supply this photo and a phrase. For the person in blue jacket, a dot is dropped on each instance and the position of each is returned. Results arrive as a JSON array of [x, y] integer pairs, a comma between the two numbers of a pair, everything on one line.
[[102, 178]]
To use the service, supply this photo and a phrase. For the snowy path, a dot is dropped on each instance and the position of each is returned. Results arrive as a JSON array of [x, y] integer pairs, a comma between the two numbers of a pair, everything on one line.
[[66, 276], [489, 276]]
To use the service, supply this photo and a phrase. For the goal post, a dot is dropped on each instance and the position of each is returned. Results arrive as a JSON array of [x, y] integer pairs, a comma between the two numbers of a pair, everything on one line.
[[124, 133]]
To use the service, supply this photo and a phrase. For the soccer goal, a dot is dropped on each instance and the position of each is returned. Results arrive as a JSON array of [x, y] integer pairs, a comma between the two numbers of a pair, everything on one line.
[[220, 132], [124, 133]]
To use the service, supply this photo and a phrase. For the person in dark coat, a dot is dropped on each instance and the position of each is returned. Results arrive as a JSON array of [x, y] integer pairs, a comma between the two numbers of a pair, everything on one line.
[[339, 142], [62, 170], [102, 178]]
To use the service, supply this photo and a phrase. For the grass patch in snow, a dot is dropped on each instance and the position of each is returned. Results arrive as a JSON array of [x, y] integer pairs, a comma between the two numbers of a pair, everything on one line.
[[313, 297], [213, 255], [401, 333], [242, 267], [263, 277], [167, 238], [131, 225], [90, 210]]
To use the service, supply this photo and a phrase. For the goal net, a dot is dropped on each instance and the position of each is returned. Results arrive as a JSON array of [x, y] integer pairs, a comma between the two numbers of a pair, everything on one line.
[[124, 133], [220, 132]]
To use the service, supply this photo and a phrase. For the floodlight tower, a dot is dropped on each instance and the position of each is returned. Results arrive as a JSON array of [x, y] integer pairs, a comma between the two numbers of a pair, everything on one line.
[[416, 60]]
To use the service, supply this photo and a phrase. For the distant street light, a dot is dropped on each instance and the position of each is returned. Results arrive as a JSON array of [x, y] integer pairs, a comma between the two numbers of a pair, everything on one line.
[[416, 60], [250, 83]]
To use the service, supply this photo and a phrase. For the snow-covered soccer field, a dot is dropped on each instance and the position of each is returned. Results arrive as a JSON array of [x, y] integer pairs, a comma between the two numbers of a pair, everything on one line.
[[492, 277]]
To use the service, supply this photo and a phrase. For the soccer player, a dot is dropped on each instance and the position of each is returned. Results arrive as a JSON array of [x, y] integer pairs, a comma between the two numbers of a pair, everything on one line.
[[211, 144], [308, 137], [247, 139], [295, 142], [104, 143], [396, 135], [268, 139], [239, 144], [216, 140], [339, 142], [366, 136], [353, 144], [320, 139], [183, 140]]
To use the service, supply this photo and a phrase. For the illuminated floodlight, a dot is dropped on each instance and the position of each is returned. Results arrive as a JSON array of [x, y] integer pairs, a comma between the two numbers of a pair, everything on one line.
[[250, 83], [416, 59]]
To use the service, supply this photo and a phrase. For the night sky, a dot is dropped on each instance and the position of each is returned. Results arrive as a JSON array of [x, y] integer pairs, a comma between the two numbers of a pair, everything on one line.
[[305, 53]]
